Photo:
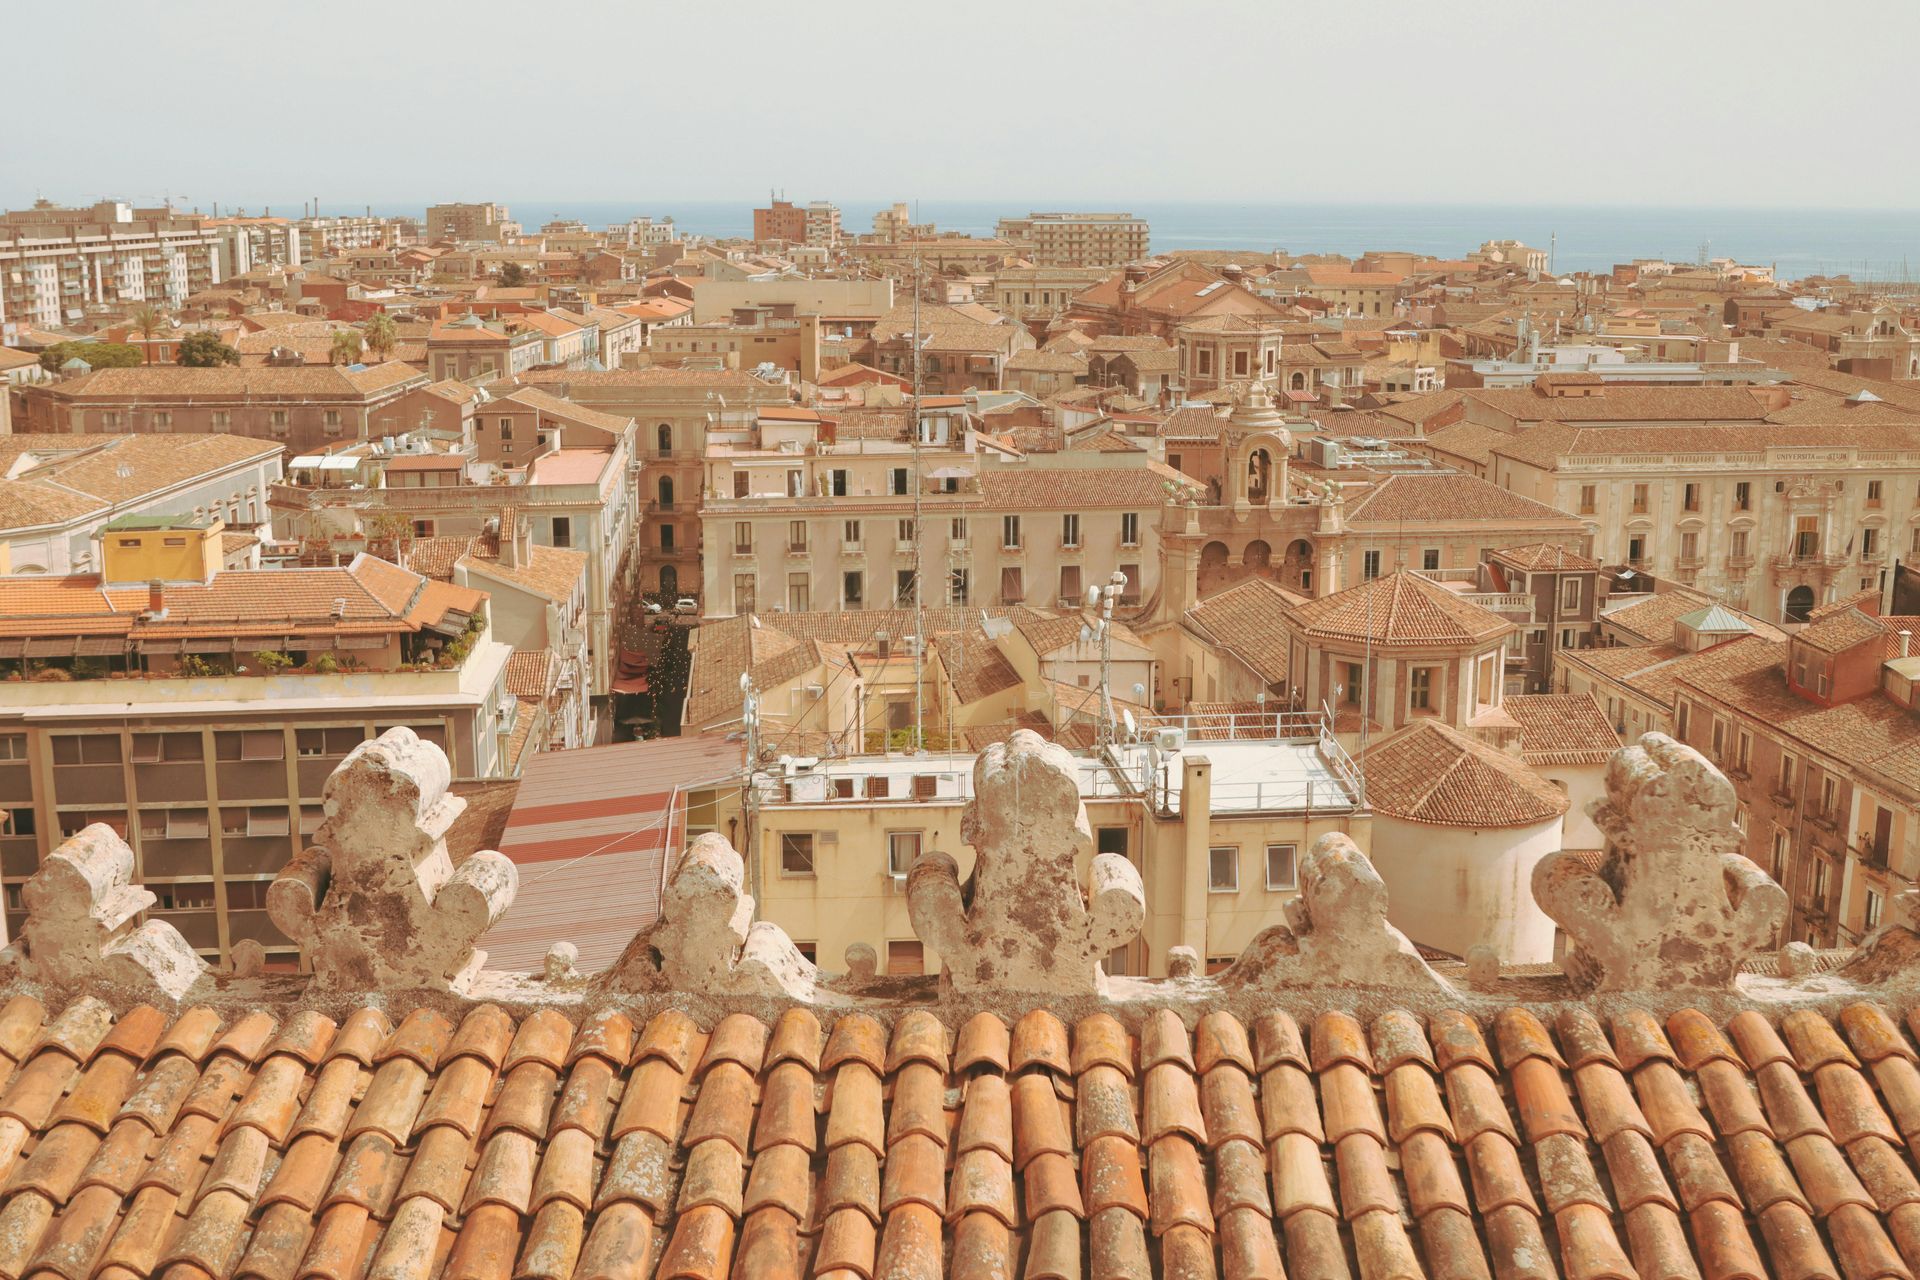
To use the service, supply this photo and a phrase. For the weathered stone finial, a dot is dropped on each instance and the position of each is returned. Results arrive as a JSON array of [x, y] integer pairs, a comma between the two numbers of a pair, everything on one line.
[[1183, 962], [81, 906], [377, 902], [706, 940], [562, 966], [1337, 933], [1024, 923], [1674, 905], [1483, 966]]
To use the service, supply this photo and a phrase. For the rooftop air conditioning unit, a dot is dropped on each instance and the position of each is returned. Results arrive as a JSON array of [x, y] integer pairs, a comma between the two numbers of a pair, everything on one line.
[[813, 690], [1170, 739]]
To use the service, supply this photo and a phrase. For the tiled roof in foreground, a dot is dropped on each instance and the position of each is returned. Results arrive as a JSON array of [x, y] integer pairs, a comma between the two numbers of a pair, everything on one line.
[[816, 1145]]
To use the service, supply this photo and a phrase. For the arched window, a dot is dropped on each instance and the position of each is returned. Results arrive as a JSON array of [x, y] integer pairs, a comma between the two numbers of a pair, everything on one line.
[[1298, 382], [1258, 468], [669, 580], [666, 438], [1799, 603]]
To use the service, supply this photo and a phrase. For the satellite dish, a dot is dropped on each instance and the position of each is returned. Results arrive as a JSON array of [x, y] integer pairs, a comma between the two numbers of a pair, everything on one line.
[[1126, 718]]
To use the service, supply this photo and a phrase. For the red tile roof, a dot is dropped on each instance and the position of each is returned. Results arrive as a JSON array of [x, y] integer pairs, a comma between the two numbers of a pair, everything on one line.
[[1400, 609], [829, 1144], [1430, 772]]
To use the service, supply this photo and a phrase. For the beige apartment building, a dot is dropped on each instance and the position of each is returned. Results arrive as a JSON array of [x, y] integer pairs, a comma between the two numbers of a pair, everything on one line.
[[1039, 293], [1776, 518], [1078, 239], [1215, 814], [199, 712], [795, 519], [673, 410], [56, 263]]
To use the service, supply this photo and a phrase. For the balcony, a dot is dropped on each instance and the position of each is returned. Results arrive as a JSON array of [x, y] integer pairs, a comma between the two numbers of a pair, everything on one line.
[[796, 550], [1739, 563], [1825, 819], [1876, 854], [1784, 800], [1012, 548], [742, 553]]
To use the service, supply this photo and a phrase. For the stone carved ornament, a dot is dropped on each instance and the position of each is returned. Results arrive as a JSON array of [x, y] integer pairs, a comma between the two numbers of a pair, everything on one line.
[[1337, 933], [377, 903], [1674, 905], [81, 905], [706, 938], [1022, 922]]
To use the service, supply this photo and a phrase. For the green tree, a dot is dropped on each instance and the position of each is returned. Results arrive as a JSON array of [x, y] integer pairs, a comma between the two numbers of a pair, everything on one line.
[[204, 350], [101, 355], [147, 319], [513, 275], [382, 334], [346, 347]]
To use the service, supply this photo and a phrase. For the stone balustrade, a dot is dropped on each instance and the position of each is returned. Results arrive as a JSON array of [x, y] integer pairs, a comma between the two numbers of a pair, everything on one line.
[[379, 912]]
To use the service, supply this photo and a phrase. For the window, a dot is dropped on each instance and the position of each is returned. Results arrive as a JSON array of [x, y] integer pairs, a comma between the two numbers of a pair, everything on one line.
[[1636, 551], [1718, 752], [1223, 869], [277, 419], [1130, 529], [163, 421], [1012, 586], [1743, 496], [1430, 558], [1873, 493], [897, 481], [222, 419], [1282, 873], [1420, 689], [663, 438], [743, 592], [1820, 882], [853, 590], [1588, 501], [796, 853], [957, 586], [1779, 856], [86, 749], [1743, 752], [1690, 497], [1070, 585], [506, 428], [1354, 687], [1240, 364], [666, 537], [1370, 565], [904, 530], [1640, 499], [17, 822], [1737, 549], [13, 746], [1070, 530], [1568, 636], [799, 593], [742, 538], [906, 958], [1786, 775], [331, 420], [563, 531], [903, 586], [1869, 543], [1204, 357], [957, 530], [850, 533], [1689, 546], [1683, 717], [1130, 593], [1876, 904], [837, 482], [796, 535], [1829, 796], [1010, 532], [902, 848]]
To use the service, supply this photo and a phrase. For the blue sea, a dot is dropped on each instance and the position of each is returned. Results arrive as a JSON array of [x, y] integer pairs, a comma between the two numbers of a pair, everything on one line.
[[1875, 243]]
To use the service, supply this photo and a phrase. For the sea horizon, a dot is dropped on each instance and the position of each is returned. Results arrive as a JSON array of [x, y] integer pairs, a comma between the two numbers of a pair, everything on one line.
[[1879, 244]]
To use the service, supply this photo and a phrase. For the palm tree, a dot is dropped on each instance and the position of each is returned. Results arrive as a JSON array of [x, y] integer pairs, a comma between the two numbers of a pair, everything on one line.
[[346, 347], [147, 319], [382, 334]]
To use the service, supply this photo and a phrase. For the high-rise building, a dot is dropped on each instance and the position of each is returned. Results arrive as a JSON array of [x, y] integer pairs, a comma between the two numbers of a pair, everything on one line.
[[56, 263], [817, 223]]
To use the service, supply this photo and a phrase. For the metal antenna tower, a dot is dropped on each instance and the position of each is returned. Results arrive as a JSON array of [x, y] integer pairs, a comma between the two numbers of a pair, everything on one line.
[[919, 628]]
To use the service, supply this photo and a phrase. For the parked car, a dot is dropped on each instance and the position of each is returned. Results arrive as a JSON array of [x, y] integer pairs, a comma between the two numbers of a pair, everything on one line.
[[686, 604]]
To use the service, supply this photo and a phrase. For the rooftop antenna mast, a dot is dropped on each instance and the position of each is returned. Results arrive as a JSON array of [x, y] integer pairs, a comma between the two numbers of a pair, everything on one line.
[[919, 628]]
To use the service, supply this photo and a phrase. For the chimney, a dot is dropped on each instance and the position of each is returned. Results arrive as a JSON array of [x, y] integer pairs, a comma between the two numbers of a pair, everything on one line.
[[1906, 643], [157, 598]]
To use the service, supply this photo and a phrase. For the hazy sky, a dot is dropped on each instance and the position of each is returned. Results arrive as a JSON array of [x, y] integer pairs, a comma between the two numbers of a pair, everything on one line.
[[1671, 102]]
